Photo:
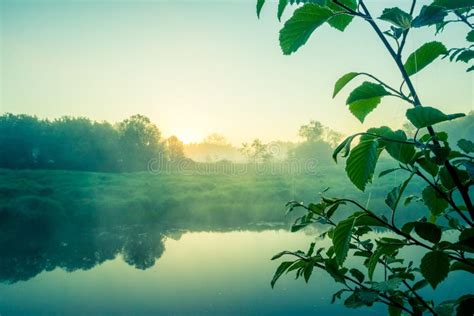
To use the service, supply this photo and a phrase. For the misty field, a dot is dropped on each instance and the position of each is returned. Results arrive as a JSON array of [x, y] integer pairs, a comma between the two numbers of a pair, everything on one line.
[[176, 200]]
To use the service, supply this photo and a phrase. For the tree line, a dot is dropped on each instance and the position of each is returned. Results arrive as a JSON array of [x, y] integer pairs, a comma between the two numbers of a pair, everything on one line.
[[27, 142], [78, 143]]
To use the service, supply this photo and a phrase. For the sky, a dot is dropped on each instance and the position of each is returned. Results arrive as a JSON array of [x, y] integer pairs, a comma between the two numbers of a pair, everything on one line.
[[197, 67]]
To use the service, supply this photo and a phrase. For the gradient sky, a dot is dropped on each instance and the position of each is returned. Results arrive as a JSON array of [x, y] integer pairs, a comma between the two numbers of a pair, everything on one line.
[[196, 67]]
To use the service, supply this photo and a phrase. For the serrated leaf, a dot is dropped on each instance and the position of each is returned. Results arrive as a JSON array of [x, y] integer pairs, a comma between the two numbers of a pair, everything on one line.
[[465, 56], [429, 15], [360, 109], [454, 4], [470, 36], [301, 25], [435, 267], [425, 116], [333, 270], [341, 239], [389, 285], [400, 151], [428, 231], [366, 90], [424, 56], [341, 20], [343, 81], [361, 163], [434, 201], [361, 297], [365, 98], [397, 17], [428, 166]]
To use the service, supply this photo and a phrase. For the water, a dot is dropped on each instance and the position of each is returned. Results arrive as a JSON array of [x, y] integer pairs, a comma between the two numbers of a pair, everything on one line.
[[134, 270], [149, 270]]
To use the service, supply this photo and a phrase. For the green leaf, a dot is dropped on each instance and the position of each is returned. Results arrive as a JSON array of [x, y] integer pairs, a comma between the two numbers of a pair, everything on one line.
[[408, 227], [279, 255], [385, 246], [341, 239], [345, 145], [435, 267], [447, 179], [397, 17], [465, 56], [301, 25], [308, 270], [394, 310], [434, 201], [419, 285], [337, 295], [389, 285], [424, 56], [466, 145], [357, 274], [343, 81], [467, 234], [394, 196], [428, 231], [260, 4], [280, 270], [333, 269], [428, 166], [470, 36], [361, 163], [461, 266], [454, 4], [361, 297], [465, 307], [429, 15], [399, 151], [360, 109], [365, 98], [423, 116], [281, 8], [385, 172], [341, 20]]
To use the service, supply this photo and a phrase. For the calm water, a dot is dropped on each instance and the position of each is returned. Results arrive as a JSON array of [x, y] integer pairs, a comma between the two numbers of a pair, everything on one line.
[[133, 270]]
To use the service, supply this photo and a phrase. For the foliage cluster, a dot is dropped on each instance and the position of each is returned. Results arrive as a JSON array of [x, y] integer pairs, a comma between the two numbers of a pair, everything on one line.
[[447, 173]]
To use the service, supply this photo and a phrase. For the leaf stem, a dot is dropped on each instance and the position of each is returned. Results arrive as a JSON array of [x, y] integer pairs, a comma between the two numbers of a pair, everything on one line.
[[462, 189]]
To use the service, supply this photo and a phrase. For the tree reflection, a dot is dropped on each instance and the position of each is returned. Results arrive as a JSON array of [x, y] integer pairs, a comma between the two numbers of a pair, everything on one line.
[[27, 252], [31, 247]]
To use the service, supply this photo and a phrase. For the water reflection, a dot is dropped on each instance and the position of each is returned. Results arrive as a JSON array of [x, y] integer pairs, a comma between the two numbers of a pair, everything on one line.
[[28, 250]]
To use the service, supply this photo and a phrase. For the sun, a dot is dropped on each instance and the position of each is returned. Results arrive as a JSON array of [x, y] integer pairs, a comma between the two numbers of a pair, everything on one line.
[[188, 137]]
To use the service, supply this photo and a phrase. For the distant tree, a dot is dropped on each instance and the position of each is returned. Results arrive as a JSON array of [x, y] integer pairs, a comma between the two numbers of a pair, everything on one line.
[[175, 148], [216, 139], [20, 137], [256, 151], [139, 141], [312, 132]]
